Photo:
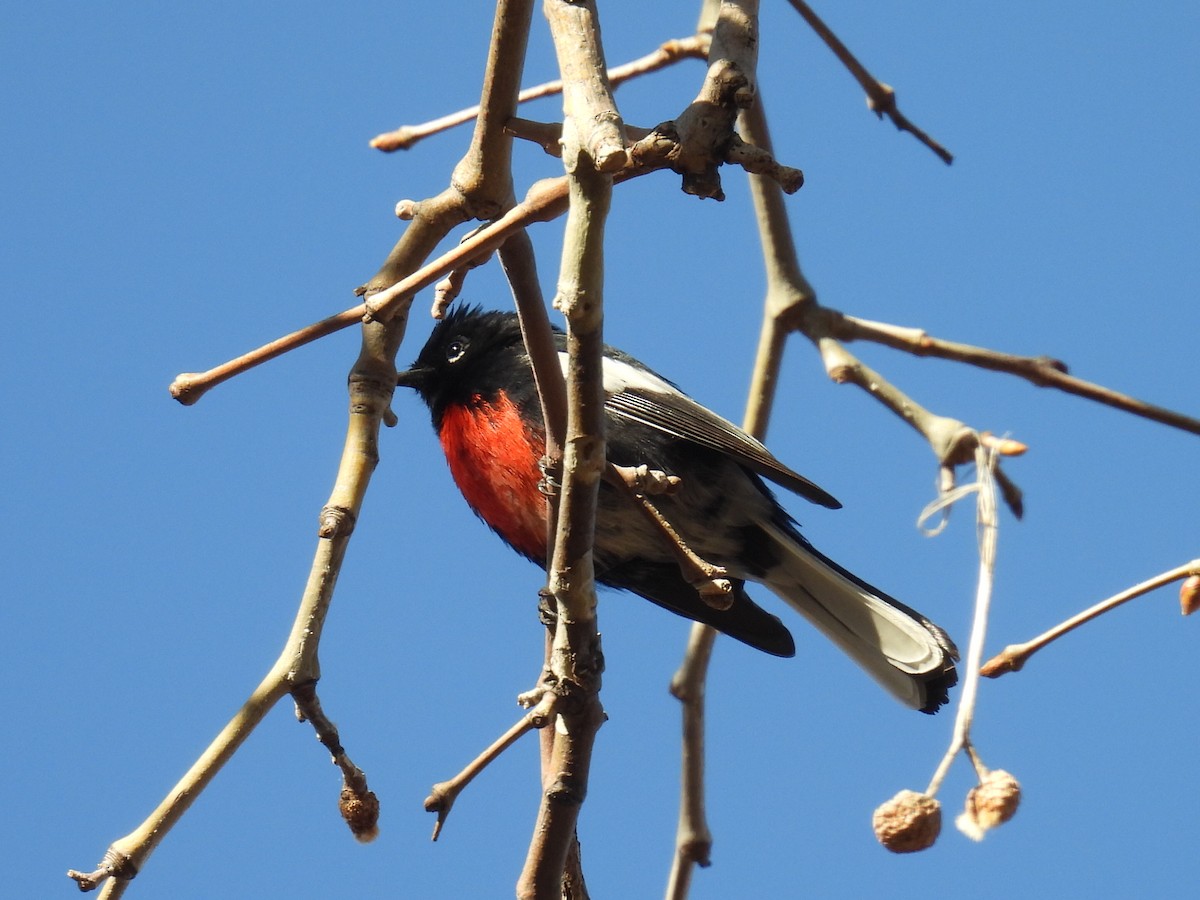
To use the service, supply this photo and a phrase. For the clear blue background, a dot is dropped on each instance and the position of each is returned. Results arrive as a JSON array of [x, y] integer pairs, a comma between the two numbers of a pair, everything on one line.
[[185, 182]]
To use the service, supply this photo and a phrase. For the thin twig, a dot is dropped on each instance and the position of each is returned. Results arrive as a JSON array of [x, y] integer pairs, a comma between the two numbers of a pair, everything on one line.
[[1013, 657], [881, 98], [693, 839], [710, 581], [1043, 371], [696, 143], [988, 530], [953, 442], [520, 268], [545, 200], [787, 289], [668, 53], [357, 803], [443, 794]]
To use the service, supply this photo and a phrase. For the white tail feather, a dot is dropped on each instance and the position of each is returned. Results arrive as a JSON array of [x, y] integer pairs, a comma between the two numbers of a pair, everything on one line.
[[899, 651]]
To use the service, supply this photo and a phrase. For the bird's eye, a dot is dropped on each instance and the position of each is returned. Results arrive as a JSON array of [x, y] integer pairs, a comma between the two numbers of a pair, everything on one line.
[[455, 350]]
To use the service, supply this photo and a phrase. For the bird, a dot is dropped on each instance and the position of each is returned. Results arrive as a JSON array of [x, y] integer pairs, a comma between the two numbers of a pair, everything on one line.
[[475, 376]]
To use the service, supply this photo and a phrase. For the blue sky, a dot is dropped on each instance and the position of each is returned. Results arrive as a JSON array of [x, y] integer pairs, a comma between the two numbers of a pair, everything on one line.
[[186, 183]]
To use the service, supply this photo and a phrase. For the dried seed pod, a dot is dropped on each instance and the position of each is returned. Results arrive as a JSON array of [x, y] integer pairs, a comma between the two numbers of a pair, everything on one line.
[[361, 812], [990, 803], [908, 822]]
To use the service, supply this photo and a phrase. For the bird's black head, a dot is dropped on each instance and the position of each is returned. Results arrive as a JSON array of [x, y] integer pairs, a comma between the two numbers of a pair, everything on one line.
[[471, 352]]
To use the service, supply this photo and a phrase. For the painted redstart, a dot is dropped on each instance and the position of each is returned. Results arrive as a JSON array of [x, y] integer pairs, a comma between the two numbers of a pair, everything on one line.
[[475, 375]]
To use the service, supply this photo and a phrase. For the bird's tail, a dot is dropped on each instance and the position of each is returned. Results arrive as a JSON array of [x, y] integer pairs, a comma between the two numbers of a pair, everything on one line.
[[896, 645]]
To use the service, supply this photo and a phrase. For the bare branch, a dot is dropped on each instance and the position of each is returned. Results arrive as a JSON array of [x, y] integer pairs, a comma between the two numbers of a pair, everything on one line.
[[587, 94], [443, 794], [697, 142], [1014, 656], [988, 529], [545, 200], [358, 804], [693, 839], [881, 98], [789, 294], [520, 267], [953, 442], [911, 821], [1043, 371], [786, 288], [482, 184], [667, 54], [593, 143]]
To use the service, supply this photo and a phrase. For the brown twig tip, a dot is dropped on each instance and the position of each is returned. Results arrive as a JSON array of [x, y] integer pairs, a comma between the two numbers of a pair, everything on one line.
[[188, 387], [758, 161], [909, 822], [440, 801], [990, 804], [1189, 595], [1005, 446], [406, 210], [446, 292], [1010, 659], [400, 139], [360, 808], [547, 135]]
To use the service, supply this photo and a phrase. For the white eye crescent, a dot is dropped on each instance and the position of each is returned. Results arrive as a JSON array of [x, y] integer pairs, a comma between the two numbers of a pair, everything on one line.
[[455, 350]]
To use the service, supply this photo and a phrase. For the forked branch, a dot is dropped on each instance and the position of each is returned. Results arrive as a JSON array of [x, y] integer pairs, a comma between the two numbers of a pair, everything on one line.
[[482, 182]]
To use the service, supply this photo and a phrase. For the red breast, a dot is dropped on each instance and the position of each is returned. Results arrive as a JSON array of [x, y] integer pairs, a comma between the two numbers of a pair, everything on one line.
[[493, 456]]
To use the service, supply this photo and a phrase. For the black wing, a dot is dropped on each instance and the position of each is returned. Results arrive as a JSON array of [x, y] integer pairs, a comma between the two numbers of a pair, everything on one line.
[[638, 394]]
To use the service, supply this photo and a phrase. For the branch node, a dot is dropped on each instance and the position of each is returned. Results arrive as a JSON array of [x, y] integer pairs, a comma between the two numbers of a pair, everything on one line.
[[115, 864], [338, 521], [882, 101]]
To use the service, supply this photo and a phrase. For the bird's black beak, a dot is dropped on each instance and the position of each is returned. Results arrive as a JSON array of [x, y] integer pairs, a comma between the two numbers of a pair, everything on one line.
[[416, 377]]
